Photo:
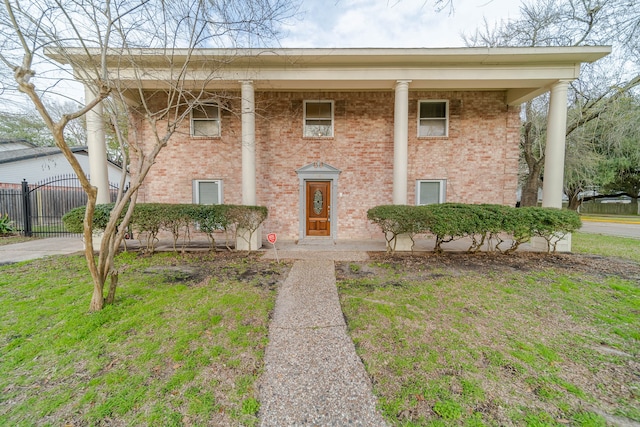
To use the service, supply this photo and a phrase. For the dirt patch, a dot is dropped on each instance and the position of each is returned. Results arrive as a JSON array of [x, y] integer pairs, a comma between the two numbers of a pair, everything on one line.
[[453, 263], [194, 269]]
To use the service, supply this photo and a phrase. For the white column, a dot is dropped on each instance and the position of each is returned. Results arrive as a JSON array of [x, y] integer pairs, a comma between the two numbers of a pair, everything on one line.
[[248, 144], [243, 240], [553, 183], [97, 147], [400, 142]]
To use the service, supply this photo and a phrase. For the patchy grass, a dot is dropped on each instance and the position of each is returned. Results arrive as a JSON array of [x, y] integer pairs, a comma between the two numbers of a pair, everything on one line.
[[611, 246], [10, 240], [488, 339], [183, 345]]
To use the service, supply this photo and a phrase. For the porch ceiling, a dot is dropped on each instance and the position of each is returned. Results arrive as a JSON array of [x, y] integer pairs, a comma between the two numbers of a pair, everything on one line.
[[522, 73]]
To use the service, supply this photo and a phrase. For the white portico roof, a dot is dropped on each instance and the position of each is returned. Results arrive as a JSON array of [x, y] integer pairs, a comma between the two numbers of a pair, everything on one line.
[[522, 73]]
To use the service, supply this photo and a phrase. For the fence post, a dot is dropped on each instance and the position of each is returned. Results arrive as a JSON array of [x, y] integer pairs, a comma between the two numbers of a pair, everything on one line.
[[26, 208]]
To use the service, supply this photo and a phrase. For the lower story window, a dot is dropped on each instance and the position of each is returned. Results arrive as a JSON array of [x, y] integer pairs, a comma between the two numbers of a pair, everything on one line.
[[207, 192], [430, 191]]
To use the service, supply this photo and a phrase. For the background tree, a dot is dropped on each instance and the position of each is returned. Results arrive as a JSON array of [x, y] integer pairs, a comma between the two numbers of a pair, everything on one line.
[[600, 87], [619, 169], [48, 43], [27, 124]]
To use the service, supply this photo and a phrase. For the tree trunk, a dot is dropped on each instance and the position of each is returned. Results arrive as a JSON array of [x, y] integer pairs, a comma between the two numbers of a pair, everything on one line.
[[531, 186], [97, 299], [111, 295], [574, 202]]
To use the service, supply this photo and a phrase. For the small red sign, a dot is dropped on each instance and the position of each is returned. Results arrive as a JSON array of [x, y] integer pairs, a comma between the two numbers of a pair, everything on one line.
[[271, 237]]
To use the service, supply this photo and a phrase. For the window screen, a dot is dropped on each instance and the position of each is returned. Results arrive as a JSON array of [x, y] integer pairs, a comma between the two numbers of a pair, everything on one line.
[[430, 192], [207, 192]]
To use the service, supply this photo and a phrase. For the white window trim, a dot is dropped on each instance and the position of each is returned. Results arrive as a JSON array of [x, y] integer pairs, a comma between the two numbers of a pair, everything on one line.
[[443, 190], [304, 118], [196, 193], [219, 120], [446, 117]]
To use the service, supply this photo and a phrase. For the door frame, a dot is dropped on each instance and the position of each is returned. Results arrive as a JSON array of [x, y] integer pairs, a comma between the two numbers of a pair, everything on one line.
[[318, 171]]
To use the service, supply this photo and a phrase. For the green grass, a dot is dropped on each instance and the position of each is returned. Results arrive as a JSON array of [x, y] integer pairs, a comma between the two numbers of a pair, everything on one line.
[[599, 244], [490, 346], [183, 351]]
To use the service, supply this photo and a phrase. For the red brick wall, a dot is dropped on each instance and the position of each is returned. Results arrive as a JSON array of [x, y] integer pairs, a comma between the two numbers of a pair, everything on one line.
[[478, 159], [9, 186]]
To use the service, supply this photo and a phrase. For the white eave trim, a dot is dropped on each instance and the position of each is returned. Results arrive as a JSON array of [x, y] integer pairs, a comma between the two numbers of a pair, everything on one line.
[[521, 72]]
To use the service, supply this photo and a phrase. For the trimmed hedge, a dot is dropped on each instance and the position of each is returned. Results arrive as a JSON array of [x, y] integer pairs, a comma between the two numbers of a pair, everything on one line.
[[150, 218], [481, 223]]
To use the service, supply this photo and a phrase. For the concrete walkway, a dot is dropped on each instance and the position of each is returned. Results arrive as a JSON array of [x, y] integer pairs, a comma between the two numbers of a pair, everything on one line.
[[39, 248], [313, 375]]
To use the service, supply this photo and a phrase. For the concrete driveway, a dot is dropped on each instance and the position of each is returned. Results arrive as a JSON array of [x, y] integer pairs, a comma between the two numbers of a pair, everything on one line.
[[612, 228], [39, 248]]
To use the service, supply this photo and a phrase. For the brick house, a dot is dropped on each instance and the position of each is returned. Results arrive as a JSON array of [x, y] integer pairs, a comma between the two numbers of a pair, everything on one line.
[[319, 136]]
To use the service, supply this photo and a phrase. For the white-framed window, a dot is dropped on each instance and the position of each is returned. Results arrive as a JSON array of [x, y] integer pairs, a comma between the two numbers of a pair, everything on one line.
[[433, 118], [430, 191], [205, 120], [207, 191], [318, 118]]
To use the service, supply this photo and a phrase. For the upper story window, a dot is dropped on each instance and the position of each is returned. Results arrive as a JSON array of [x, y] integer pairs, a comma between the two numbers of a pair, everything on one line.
[[205, 120], [318, 118], [433, 118], [430, 191]]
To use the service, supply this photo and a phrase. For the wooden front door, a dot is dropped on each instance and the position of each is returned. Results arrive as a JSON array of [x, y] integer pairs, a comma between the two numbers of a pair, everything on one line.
[[318, 208]]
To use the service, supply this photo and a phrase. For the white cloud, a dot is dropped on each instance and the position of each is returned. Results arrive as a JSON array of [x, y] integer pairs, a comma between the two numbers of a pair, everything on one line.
[[391, 23]]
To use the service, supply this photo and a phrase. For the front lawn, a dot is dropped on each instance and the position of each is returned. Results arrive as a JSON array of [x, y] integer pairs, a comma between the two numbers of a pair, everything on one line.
[[492, 339], [183, 345], [452, 339]]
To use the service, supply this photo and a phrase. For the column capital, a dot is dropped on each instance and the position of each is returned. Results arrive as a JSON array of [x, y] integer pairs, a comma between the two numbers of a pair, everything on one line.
[[246, 82], [560, 85], [403, 82]]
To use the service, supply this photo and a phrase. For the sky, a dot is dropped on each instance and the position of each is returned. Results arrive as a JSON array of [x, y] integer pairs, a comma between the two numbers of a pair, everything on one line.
[[372, 23], [391, 23]]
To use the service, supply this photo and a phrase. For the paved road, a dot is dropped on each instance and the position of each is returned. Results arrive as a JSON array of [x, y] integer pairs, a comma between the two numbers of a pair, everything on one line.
[[612, 229]]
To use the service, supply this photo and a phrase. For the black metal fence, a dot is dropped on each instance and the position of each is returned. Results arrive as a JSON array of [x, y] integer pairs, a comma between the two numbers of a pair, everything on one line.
[[37, 209]]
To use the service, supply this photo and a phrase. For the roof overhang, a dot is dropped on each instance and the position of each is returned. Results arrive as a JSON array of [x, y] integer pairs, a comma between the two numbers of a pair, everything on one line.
[[523, 73]]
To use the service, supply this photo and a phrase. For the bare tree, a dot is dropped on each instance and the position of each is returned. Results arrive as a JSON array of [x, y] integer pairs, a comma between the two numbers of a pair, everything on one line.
[[47, 43], [601, 85]]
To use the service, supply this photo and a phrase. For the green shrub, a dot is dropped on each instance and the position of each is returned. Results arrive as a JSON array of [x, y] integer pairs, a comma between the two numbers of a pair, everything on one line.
[[149, 219], [553, 224], [74, 219], [210, 219], [481, 223], [6, 225], [246, 218], [451, 221], [395, 220]]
